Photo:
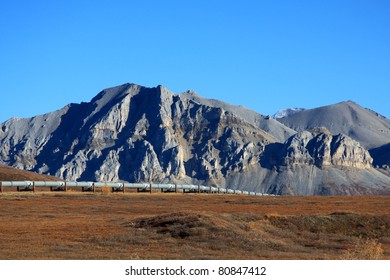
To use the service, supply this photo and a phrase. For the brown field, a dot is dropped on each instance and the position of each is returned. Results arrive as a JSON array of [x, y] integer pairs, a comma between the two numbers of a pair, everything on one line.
[[192, 226], [8, 173]]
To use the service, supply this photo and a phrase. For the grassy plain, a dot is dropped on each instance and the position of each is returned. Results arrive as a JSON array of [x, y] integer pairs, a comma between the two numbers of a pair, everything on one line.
[[192, 226]]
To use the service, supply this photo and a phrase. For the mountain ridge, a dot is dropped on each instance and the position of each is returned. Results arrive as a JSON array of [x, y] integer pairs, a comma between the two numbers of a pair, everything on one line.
[[139, 134], [366, 126]]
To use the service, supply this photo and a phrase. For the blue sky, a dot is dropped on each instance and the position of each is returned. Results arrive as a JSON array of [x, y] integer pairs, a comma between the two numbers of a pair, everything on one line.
[[262, 54]]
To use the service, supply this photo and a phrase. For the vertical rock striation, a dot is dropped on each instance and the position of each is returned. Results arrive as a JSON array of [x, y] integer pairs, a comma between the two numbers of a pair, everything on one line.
[[138, 134]]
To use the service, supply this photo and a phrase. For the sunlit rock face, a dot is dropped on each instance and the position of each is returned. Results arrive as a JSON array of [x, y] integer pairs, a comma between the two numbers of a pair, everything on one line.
[[138, 134], [324, 149], [133, 133]]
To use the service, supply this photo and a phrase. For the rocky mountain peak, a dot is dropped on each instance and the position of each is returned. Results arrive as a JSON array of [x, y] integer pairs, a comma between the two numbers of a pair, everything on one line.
[[139, 134], [112, 94], [191, 94]]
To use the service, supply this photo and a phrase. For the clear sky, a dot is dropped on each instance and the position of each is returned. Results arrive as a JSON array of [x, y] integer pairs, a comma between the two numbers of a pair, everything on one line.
[[262, 54]]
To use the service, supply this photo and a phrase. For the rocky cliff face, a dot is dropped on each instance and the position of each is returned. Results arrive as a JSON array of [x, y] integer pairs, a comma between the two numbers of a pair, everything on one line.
[[324, 149], [315, 162], [137, 134]]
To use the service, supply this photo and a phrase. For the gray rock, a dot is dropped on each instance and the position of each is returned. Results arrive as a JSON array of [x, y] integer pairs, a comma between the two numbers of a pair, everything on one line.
[[133, 133], [138, 134], [269, 125], [363, 125], [324, 149], [314, 163]]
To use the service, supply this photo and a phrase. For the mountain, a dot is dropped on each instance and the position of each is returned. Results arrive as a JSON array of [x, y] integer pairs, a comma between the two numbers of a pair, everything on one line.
[[269, 125], [139, 134], [318, 162], [287, 112], [365, 126], [135, 133]]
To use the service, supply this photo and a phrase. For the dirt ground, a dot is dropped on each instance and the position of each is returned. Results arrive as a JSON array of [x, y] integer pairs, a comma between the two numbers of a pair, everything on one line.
[[103, 225]]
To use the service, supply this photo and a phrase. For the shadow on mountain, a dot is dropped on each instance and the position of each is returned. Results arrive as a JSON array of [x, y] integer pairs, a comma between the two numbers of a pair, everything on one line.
[[60, 144], [381, 155], [272, 155]]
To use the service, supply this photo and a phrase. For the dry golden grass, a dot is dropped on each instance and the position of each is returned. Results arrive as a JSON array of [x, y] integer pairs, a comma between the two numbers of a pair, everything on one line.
[[105, 190], [192, 226], [13, 174], [365, 249]]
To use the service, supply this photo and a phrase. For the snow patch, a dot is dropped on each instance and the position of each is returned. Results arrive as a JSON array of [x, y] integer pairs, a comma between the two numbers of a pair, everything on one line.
[[287, 112]]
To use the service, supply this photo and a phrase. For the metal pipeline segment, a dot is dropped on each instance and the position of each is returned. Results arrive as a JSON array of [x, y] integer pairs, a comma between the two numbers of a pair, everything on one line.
[[162, 186], [136, 185], [49, 183], [189, 187], [108, 184], [222, 190], [17, 183], [184, 187], [80, 184]]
